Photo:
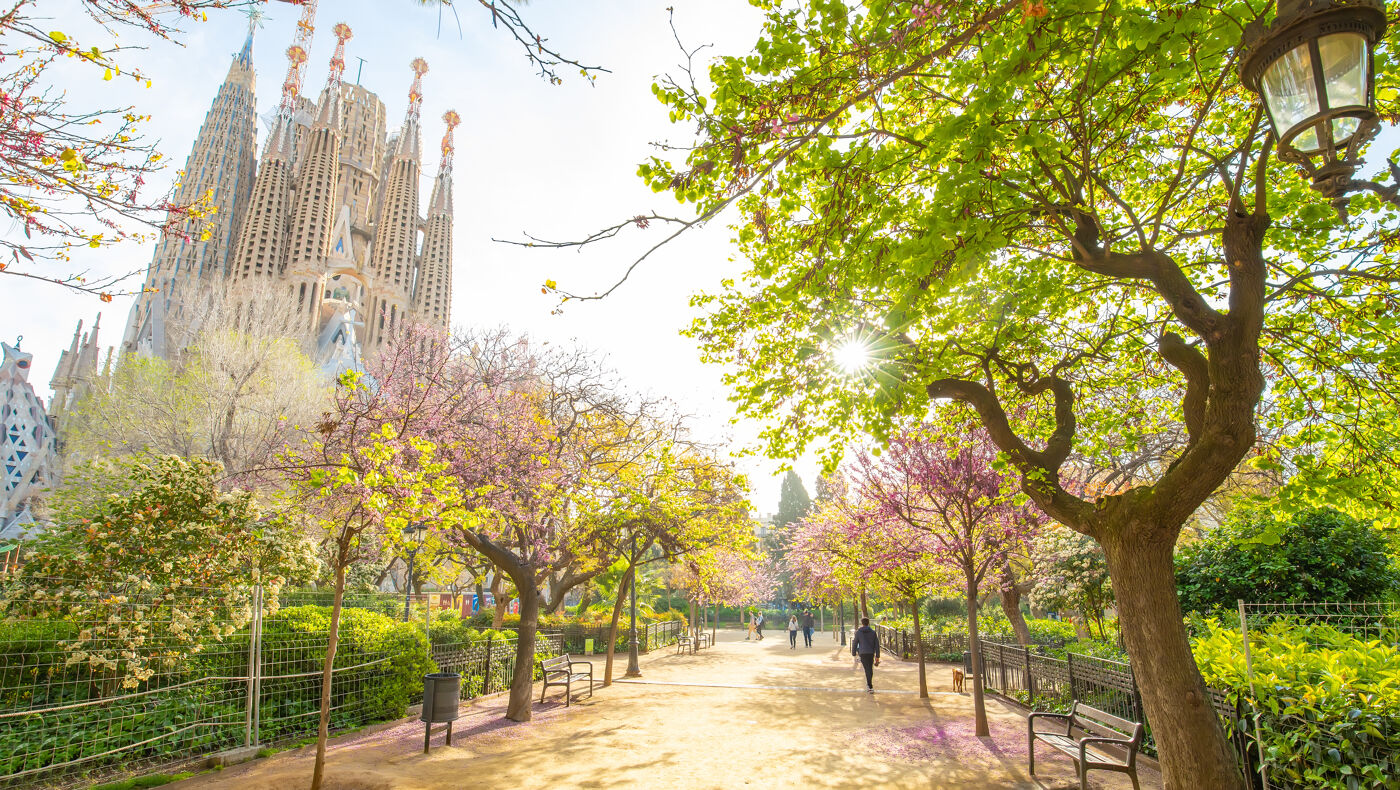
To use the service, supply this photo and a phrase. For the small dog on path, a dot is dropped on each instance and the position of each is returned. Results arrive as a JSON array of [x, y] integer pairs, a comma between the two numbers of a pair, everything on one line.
[[958, 681]]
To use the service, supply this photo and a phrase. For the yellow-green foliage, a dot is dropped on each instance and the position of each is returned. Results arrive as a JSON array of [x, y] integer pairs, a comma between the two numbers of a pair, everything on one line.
[[1329, 703]]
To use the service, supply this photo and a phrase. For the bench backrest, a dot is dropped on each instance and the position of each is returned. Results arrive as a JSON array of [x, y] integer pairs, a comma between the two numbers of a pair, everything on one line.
[[1101, 722], [555, 664]]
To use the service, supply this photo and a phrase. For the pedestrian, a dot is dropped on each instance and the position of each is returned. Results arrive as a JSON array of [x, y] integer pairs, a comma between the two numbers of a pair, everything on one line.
[[866, 646], [758, 625], [750, 634], [809, 624]]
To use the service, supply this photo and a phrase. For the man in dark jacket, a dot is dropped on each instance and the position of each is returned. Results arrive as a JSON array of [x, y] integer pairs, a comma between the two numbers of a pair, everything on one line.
[[809, 624], [866, 645]]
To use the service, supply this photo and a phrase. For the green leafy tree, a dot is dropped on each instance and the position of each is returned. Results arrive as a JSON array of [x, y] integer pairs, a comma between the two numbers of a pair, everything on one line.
[[154, 563], [793, 501], [1023, 206], [1314, 555]]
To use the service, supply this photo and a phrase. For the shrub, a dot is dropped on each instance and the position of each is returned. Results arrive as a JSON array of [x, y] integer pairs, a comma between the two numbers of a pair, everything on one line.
[[1317, 555], [1328, 703], [364, 636]]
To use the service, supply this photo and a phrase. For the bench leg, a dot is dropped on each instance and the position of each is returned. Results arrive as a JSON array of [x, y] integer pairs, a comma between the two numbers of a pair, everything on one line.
[[568, 693], [1083, 776], [449, 733], [542, 690], [1133, 776], [427, 730], [1031, 750]]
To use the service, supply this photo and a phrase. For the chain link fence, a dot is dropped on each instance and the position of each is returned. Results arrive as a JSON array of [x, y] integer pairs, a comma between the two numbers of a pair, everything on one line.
[[109, 684]]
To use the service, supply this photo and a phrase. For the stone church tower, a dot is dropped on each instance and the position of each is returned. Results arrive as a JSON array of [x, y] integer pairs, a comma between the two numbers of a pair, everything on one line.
[[328, 218]]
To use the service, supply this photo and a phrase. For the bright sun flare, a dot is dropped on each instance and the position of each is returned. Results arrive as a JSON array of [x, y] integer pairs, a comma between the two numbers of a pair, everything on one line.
[[852, 355]]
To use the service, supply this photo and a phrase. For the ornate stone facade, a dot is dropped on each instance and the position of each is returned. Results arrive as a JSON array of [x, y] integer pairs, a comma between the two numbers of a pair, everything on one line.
[[27, 444], [328, 217]]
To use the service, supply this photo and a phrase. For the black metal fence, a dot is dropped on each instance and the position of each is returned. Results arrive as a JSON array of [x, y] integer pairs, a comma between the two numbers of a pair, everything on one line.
[[576, 639], [940, 647], [1044, 682]]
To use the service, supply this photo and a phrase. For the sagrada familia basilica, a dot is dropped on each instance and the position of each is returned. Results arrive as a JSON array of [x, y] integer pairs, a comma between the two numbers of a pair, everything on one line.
[[327, 221]]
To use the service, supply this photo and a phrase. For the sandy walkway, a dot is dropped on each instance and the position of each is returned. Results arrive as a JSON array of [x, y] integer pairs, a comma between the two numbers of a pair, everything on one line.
[[739, 714]]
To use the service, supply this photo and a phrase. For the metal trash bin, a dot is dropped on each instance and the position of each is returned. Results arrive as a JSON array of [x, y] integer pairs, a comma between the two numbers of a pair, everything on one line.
[[441, 693], [967, 663]]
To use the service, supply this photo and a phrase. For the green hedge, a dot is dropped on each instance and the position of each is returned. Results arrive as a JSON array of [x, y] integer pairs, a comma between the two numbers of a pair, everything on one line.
[[33, 673]]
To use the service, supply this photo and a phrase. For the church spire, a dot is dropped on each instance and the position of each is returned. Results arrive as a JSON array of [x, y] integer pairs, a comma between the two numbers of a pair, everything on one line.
[[394, 254], [329, 112], [441, 201], [411, 145]]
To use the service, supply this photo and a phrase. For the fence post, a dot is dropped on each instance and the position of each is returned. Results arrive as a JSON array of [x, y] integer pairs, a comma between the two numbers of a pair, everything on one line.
[[1030, 678], [1001, 659], [252, 669], [1069, 661], [1249, 672], [486, 673]]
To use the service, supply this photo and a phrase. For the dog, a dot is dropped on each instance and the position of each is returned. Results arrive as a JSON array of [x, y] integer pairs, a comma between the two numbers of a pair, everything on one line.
[[958, 681]]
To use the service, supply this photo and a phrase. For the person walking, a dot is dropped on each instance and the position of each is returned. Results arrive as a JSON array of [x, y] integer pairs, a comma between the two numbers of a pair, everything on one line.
[[809, 624], [792, 632], [758, 625], [866, 646]]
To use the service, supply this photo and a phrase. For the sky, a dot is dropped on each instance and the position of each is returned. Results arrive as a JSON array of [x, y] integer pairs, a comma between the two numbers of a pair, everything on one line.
[[554, 161]]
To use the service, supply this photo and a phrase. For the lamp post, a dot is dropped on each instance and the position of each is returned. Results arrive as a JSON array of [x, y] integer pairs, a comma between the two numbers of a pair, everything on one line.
[[1315, 71], [414, 533], [634, 670]]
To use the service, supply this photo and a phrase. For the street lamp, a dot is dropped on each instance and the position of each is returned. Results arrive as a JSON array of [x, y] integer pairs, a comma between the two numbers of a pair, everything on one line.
[[1314, 69], [413, 533], [634, 669]]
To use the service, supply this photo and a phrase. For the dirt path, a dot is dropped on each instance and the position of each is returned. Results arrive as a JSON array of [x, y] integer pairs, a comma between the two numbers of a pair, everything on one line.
[[738, 714]]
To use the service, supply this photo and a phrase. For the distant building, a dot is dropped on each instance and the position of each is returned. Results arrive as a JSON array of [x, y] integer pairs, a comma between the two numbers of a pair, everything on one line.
[[27, 445], [328, 218]]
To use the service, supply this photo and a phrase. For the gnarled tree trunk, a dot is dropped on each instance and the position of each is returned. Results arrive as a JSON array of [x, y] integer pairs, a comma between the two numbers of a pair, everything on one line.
[[1174, 697]]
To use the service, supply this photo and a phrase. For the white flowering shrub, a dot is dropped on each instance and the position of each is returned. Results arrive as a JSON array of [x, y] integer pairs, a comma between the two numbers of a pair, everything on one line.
[[153, 569]]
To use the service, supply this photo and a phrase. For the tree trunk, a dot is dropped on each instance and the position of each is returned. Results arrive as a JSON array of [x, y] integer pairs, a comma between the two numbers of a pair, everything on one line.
[[713, 625], [522, 683], [694, 632], [919, 648], [333, 638], [612, 630], [1190, 740], [979, 703], [583, 600], [864, 604], [498, 593], [1011, 605]]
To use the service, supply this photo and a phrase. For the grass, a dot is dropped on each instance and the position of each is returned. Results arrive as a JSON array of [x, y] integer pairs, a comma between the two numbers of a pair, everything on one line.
[[150, 780]]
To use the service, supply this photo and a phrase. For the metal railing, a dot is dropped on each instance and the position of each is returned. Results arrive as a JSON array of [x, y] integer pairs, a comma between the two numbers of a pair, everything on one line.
[[900, 643]]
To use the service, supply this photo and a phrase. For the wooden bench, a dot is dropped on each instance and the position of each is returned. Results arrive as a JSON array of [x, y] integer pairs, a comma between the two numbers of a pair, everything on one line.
[[559, 671], [1101, 728], [682, 642]]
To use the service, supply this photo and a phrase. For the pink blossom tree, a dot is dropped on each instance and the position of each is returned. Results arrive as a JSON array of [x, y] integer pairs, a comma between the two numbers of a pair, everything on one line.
[[848, 544], [942, 480]]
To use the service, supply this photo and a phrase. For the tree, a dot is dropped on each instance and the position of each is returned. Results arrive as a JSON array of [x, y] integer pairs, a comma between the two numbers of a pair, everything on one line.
[[793, 501], [942, 480], [675, 501], [849, 544], [155, 563], [73, 177], [1258, 556], [1070, 573], [1019, 206], [239, 390]]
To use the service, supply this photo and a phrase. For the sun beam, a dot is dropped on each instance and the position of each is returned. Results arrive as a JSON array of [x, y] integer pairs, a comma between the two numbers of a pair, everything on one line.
[[852, 356]]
